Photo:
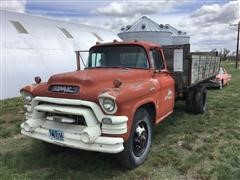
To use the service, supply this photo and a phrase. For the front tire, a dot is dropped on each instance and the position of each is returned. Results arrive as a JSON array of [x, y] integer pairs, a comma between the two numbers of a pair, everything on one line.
[[137, 147]]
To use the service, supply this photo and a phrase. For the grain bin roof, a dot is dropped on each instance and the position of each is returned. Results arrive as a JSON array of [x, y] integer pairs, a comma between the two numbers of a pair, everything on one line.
[[143, 24], [146, 24]]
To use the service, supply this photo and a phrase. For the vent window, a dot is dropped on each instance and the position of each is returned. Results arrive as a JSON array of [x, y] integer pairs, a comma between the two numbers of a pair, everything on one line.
[[66, 33], [97, 36], [19, 27]]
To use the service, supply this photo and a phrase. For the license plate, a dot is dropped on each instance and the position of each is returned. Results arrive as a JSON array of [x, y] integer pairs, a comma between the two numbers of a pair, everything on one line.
[[56, 134]]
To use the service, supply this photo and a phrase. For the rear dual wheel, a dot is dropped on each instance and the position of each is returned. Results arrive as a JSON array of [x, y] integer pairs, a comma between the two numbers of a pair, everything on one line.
[[189, 101], [196, 100], [200, 102], [137, 147]]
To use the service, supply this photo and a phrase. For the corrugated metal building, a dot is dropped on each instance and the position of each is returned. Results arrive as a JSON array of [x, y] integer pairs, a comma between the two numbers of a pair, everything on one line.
[[33, 45], [146, 29]]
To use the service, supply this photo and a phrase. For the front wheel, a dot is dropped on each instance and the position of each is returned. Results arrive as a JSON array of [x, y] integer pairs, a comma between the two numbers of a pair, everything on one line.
[[137, 147]]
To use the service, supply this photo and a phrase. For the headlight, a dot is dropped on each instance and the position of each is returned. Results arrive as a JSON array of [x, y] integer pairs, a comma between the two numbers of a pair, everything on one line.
[[108, 105], [27, 97]]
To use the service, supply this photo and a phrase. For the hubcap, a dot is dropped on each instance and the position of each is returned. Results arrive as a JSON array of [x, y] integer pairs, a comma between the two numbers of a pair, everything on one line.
[[140, 139]]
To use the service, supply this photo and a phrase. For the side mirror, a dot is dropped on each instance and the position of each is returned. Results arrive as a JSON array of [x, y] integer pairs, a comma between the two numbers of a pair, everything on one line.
[[78, 60]]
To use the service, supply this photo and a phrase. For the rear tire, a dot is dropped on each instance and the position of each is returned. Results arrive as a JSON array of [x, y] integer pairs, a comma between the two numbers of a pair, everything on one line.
[[190, 101], [137, 147], [200, 100]]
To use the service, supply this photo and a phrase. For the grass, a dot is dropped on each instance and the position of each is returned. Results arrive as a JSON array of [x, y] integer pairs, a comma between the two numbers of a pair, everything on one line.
[[11, 115], [185, 146]]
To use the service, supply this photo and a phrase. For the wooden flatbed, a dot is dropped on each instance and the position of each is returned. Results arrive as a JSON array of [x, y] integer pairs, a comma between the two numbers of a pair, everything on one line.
[[190, 69]]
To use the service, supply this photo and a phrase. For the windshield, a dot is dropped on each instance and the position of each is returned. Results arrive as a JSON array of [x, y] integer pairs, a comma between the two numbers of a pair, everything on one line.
[[118, 56]]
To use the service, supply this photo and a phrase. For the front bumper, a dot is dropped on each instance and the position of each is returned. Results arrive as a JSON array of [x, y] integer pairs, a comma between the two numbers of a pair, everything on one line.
[[101, 144], [87, 137]]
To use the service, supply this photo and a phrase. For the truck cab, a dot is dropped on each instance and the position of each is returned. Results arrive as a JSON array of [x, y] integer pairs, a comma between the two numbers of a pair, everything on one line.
[[111, 106]]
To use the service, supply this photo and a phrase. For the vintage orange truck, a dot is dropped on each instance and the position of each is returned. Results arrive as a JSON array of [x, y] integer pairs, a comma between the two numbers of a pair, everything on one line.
[[112, 105]]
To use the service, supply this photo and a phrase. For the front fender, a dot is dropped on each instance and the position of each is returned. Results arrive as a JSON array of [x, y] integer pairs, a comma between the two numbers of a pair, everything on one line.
[[131, 96], [135, 90], [36, 89]]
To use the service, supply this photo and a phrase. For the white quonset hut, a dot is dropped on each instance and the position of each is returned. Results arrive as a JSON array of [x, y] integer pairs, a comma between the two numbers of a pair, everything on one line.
[[32, 46], [146, 29]]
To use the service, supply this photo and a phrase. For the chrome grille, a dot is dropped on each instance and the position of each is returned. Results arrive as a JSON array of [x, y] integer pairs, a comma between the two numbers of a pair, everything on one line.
[[78, 119]]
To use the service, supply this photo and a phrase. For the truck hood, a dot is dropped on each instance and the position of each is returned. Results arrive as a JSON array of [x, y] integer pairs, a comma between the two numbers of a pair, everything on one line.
[[90, 77], [93, 82]]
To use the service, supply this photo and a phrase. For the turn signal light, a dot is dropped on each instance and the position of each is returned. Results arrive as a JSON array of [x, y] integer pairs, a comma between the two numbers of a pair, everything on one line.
[[107, 120]]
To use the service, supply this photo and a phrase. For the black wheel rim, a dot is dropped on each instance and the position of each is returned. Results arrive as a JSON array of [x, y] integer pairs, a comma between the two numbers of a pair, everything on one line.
[[140, 138]]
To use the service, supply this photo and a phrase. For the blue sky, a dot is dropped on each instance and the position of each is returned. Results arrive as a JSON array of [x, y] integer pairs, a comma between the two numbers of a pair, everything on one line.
[[85, 8], [206, 21]]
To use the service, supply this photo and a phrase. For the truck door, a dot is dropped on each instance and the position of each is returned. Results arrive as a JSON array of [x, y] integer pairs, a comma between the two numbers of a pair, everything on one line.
[[165, 84]]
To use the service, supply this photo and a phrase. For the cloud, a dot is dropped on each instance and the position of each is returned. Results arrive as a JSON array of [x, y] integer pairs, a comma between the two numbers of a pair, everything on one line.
[[112, 24], [16, 5], [121, 13], [216, 14], [209, 27], [131, 8]]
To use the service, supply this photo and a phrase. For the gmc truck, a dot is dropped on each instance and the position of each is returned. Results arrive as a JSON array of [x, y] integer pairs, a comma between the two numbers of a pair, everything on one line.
[[112, 105]]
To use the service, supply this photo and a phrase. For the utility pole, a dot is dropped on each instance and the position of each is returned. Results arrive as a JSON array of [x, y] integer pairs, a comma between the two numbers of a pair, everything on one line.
[[237, 45], [237, 51]]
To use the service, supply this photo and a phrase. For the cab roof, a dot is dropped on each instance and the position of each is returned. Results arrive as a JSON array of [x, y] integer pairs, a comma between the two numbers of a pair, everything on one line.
[[144, 44]]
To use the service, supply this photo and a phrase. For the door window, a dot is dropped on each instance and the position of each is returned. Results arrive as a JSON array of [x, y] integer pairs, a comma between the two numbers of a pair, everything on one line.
[[156, 59]]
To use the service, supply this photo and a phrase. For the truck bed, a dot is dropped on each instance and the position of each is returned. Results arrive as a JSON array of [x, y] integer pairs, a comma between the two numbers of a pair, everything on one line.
[[190, 69]]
